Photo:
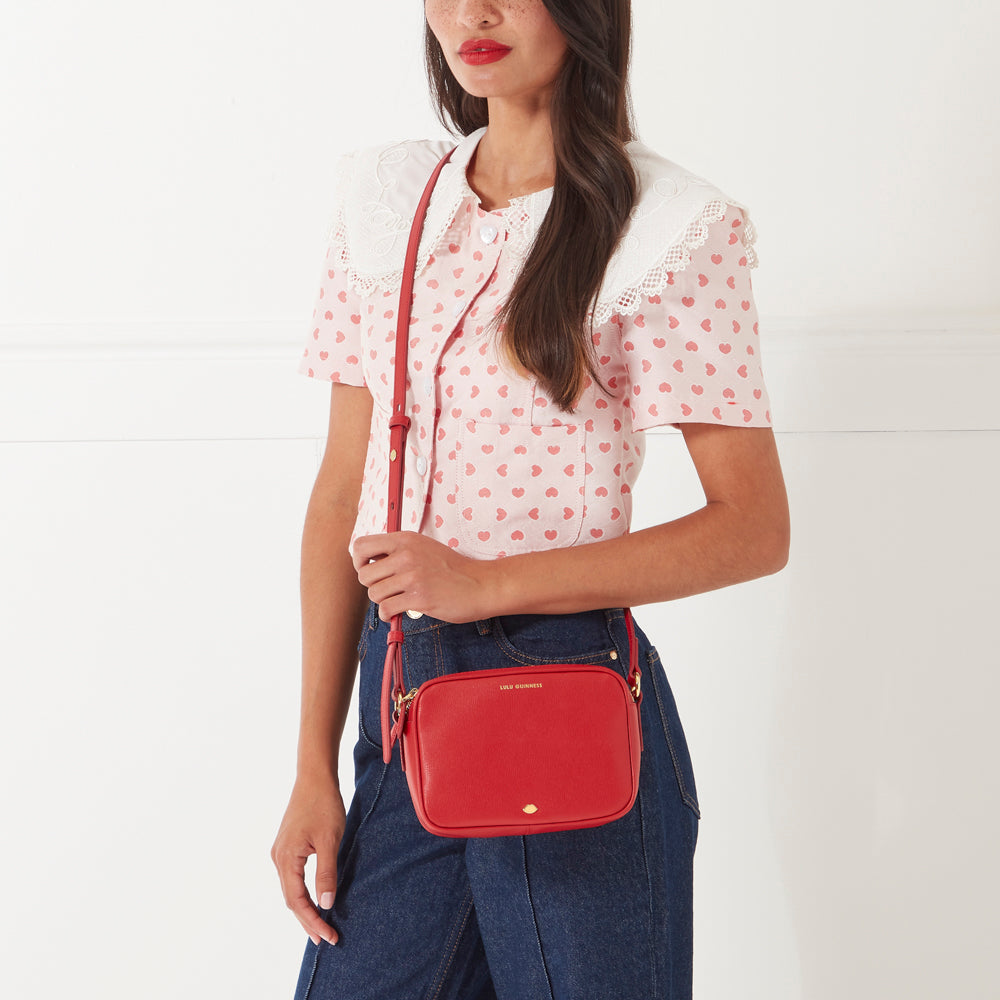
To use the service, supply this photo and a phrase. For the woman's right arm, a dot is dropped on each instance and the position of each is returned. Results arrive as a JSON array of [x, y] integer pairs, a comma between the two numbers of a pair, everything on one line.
[[333, 607]]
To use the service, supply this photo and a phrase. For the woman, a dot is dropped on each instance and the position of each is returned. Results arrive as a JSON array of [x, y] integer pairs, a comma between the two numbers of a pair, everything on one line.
[[573, 289]]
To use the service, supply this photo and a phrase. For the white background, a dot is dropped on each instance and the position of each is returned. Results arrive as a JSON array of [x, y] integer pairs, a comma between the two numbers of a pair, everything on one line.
[[165, 186]]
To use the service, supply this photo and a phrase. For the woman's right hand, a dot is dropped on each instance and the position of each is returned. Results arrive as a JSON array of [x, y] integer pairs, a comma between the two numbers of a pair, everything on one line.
[[313, 823]]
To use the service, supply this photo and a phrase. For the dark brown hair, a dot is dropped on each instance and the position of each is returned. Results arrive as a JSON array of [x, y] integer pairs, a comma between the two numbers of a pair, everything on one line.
[[545, 323]]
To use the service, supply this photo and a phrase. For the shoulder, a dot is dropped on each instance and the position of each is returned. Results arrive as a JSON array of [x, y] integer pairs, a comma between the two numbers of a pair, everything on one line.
[[671, 218], [378, 188], [390, 174], [394, 163]]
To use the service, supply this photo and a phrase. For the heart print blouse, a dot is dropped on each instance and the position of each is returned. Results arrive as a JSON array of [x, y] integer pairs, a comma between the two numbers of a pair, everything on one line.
[[492, 467]]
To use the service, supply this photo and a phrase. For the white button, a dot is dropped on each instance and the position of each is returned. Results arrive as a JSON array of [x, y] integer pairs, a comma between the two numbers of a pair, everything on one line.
[[459, 306], [428, 386], [488, 234], [421, 465]]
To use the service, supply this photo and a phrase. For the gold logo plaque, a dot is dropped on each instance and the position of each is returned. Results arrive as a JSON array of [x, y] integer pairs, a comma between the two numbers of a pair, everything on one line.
[[529, 808]]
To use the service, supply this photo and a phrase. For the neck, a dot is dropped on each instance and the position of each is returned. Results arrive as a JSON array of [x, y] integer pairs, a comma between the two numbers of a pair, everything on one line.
[[516, 155]]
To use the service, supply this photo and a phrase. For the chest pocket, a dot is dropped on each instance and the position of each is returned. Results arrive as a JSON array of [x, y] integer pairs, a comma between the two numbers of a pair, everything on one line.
[[519, 488]]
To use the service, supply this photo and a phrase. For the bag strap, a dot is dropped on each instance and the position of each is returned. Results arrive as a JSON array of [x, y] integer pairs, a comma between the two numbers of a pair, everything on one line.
[[399, 424]]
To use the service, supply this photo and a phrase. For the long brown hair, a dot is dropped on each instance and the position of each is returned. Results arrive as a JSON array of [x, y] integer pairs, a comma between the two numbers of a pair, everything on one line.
[[545, 323]]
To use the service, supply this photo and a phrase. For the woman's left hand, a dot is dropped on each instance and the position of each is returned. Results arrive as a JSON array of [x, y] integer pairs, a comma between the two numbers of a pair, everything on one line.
[[407, 571]]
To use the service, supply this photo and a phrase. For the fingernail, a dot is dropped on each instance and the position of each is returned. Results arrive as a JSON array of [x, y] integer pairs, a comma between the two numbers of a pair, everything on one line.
[[333, 940], [315, 940], [326, 900]]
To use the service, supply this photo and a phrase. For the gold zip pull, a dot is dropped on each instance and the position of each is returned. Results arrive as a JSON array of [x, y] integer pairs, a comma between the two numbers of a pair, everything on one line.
[[637, 687], [403, 699]]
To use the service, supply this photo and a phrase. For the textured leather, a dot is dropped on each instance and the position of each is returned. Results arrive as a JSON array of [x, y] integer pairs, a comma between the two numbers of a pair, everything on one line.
[[514, 750], [482, 745]]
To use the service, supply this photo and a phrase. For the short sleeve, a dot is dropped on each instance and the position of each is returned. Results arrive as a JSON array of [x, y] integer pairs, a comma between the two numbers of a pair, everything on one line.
[[692, 351], [332, 350]]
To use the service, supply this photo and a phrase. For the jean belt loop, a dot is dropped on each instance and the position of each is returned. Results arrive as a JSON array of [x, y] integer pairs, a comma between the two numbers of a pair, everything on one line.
[[619, 634]]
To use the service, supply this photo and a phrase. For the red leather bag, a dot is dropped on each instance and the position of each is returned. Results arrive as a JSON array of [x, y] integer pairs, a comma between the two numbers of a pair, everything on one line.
[[514, 750]]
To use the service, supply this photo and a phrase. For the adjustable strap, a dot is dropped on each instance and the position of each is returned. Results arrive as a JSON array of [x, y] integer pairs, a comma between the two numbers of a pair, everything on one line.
[[399, 424]]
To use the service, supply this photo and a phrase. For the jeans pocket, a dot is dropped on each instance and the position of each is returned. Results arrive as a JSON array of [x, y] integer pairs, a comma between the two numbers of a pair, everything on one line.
[[673, 732], [580, 637]]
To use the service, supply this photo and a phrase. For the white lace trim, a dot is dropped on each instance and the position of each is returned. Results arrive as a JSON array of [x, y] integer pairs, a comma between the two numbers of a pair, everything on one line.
[[380, 224], [677, 258], [378, 188], [523, 220]]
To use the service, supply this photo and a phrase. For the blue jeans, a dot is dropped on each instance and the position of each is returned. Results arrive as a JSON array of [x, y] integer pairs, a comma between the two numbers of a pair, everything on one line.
[[604, 912]]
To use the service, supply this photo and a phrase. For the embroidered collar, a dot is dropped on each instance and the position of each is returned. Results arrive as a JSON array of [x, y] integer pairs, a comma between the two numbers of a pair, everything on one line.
[[379, 187]]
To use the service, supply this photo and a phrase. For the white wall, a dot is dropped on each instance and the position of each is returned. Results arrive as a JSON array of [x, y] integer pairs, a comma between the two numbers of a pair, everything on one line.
[[165, 191]]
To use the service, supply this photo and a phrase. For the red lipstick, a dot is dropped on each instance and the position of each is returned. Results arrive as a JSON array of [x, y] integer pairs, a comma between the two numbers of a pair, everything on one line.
[[482, 50]]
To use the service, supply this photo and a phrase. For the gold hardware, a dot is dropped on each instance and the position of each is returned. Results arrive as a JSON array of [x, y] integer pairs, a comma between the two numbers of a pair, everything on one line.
[[529, 808], [415, 614], [637, 687], [392, 455], [614, 654], [403, 699]]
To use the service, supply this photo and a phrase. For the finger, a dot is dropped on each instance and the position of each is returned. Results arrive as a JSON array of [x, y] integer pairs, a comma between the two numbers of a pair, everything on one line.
[[396, 604], [326, 874], [369, 547], [377, 571], [291, 873], [398, 601], [310, 918]]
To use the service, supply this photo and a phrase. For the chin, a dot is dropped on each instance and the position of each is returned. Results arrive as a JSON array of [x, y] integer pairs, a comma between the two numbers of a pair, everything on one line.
[[483, 89]]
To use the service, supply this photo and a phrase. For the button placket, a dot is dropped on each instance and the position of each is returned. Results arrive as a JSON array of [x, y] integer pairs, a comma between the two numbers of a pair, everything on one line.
[[481, 246]]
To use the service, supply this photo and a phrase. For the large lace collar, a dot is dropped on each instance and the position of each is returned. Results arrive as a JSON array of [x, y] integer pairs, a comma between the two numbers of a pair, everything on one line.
[[378, 189]]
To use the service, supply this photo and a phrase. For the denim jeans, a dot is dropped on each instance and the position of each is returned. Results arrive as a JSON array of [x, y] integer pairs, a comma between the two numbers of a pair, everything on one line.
[[592, 914]]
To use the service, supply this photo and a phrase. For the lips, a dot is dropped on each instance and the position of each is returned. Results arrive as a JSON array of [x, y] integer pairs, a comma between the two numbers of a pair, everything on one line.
[[482, 50], [482, 45]]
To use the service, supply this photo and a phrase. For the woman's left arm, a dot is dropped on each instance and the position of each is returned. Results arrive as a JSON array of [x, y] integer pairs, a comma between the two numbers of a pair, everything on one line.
[[741, 533]]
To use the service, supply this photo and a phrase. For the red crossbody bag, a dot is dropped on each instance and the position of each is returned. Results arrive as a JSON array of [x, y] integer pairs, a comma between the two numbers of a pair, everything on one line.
[[515, 750]]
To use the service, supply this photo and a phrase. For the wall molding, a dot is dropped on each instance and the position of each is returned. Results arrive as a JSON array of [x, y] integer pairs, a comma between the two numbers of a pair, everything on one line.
[[273, 339], [206, 380]]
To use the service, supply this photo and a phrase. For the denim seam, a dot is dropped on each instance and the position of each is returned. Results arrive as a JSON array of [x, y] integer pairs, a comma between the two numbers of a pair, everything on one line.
[[357, 833], [689, 799], [414, 626], [438, 654], [340, 878], [366, 629], [312, 974], [534, 916], [649, 896], [364, 732], [449, 957]]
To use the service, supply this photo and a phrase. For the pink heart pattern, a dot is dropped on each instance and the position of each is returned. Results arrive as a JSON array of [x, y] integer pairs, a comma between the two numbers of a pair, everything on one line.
[[492, 466]]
